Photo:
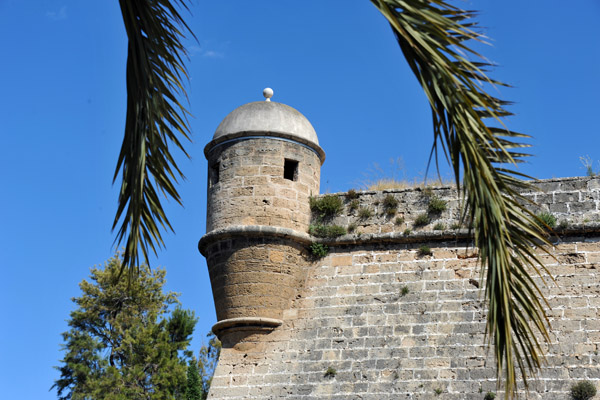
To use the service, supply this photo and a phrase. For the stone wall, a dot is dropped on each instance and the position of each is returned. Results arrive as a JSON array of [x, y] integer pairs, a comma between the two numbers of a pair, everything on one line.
[[379, 319], [254, 277], [575, 202], [251, 188]]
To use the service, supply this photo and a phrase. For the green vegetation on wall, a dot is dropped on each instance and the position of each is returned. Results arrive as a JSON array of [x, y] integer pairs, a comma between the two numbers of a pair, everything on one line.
[[326, 207]]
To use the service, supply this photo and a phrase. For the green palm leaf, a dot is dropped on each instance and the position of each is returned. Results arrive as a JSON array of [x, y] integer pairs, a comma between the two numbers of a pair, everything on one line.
[[155, 120], [433, 35]]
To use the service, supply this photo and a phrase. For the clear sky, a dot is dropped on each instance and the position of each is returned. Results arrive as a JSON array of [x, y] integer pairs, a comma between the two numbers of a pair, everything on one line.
[[63, 113]]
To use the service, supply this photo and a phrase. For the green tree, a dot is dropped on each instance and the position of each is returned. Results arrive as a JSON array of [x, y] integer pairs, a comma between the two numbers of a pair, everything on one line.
[[200, 371], [193, 388], [434, 36], [123, 343], [207, 362]]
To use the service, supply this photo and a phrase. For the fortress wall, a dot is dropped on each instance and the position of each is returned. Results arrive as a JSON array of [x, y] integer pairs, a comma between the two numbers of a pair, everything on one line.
[[576, 201], [395, 324]]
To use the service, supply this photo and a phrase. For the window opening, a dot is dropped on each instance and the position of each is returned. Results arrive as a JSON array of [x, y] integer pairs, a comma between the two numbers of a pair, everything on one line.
[[290, 170], [214, 174]]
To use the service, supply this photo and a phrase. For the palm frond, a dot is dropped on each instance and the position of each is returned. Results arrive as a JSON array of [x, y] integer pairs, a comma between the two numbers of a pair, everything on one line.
[[155, 120], [434, 37]]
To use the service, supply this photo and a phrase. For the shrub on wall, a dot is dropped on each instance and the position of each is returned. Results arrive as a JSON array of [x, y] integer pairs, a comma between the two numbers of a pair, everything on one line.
[[422, 220], [583, 390], [330, 373], [436, 205], [318, 250], [351, 194], [327, 206], [425, 251], [390, 201], [365, 212]]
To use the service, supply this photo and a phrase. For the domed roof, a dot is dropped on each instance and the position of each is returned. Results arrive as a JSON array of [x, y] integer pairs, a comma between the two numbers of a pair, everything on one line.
[[267, 117]]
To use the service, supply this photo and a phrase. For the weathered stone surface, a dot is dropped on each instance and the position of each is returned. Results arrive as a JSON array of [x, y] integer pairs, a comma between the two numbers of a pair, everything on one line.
[[267, 117], [251, 193], [394, 324], [573, 201], [379, 317]]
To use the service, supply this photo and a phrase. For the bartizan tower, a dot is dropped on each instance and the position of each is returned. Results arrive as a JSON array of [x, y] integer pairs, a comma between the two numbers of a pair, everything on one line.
[[264, 163]]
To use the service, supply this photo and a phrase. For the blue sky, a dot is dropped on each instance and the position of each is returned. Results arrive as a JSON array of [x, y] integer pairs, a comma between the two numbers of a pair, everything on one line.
[[63, 113]]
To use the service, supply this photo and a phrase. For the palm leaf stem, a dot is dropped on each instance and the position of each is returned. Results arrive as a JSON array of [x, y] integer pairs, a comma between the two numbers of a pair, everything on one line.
[[434, 36], [155, 121]]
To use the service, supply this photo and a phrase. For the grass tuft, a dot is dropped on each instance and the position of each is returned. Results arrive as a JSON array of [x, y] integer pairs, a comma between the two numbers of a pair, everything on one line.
[[330, 373], [439, 227], [365, 212], [436, 205], [546, 220], [390, 201], [421, 220], [425, 251], [351, 194]]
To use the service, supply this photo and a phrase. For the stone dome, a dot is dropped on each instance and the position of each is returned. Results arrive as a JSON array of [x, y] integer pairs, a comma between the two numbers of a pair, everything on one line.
[[266, 118]]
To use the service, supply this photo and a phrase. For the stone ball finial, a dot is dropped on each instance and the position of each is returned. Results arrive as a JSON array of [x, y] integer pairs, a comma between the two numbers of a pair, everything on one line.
[[268, 93]]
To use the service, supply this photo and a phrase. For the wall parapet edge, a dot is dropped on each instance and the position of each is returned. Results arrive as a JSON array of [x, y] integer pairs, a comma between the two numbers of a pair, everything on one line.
[[574, 202]]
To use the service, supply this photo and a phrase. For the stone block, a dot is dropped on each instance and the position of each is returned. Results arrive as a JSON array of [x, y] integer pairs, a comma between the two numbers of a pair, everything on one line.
[[574, 184], [558, 208], [567, 197]]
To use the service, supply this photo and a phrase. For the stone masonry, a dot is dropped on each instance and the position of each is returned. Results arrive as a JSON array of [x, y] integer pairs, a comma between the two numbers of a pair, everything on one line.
[[252, 190], [395, 324], [264, 164], [394, 310]]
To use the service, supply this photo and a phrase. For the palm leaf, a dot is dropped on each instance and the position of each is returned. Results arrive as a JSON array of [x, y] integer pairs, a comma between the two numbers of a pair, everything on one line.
[[434, 36], [155, 120]]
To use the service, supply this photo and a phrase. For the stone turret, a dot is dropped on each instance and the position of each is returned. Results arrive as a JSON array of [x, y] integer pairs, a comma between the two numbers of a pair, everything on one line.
[[263, 165]]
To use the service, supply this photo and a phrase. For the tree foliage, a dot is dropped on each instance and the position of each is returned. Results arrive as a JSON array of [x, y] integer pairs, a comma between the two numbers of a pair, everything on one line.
[[434, 36], [201, 370], [207, 362], [193, 388], [123, 343], [155, 123]]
